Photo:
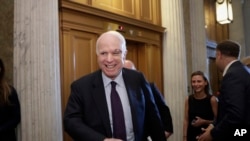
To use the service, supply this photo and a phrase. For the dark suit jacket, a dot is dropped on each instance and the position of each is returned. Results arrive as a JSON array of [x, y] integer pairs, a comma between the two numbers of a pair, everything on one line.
[[163, 108], [234, 103], [10, 117], [86, 117]]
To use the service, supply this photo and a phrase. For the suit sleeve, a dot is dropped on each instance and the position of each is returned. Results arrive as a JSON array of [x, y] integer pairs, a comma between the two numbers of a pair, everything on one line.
[[163, 109], [153, 123], [73, 119], [232, 102]]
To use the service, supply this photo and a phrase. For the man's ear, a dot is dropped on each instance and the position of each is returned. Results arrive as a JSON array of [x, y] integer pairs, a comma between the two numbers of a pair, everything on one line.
[[124, 55], [218, 54]]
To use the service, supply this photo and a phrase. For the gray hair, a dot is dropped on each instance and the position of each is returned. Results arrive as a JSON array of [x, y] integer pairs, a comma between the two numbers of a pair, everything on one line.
[[118, 36]]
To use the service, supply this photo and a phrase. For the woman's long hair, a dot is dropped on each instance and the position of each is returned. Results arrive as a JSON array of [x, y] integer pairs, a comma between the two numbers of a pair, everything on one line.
[[207, 87], [4, 87]]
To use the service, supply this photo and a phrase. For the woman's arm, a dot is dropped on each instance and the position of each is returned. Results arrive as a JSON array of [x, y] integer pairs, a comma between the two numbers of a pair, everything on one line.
[[214, 104], [200, 121]]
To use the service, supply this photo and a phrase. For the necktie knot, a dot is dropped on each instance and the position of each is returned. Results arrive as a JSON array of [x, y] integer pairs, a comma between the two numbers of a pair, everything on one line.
[[113, 84]]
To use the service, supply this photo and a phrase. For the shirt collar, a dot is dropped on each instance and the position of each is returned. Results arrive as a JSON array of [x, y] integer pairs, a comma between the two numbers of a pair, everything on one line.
[[228, 65], [107, 80]]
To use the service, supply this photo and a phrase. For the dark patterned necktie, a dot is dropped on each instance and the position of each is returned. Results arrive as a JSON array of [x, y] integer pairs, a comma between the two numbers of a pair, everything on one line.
[[119, 130]]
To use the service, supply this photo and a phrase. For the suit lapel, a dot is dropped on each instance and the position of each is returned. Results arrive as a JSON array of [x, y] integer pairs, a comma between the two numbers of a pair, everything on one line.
[[136, 100], [101, 103]]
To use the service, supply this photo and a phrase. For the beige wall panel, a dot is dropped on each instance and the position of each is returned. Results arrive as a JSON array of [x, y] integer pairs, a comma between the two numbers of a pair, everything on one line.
[[122, 7], [84, 22], [146, 10], [157, 12], [81, 1], [150, 11]]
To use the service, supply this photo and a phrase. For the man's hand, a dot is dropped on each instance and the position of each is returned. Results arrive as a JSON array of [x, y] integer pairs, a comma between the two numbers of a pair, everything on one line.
[[197, 122], [167, 134], [206, 136]]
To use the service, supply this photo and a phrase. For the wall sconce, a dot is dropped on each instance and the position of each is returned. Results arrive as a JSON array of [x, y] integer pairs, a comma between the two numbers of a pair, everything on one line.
[[224, 11]]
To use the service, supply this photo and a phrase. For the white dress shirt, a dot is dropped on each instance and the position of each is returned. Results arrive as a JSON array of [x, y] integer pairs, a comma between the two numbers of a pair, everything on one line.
[[122, 92]]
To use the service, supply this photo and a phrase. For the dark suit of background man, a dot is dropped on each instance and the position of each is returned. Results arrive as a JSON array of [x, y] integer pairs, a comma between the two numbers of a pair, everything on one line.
[[88, 114], [234, 97], [160, 102]]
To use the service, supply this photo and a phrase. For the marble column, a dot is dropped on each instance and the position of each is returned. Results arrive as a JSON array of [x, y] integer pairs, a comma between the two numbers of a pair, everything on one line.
[[236, 28], [198, 36], [37, 70], [174, 63], [246, 11]]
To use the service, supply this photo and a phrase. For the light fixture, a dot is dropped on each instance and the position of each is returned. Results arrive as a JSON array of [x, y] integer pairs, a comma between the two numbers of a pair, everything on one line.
[[224, 11]]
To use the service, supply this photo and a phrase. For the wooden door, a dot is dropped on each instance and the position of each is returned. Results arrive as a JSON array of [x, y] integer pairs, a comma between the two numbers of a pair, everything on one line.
[[78, 59], [215, 77], [147, 59]]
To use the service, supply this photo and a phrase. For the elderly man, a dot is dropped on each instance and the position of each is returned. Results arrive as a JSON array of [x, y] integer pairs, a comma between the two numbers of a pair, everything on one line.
[[113, 103]]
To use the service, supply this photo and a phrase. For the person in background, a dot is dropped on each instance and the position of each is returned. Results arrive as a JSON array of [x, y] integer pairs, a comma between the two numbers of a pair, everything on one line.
[[200, 107], [9, 108], [129, 65], [234, 98], [89, 114], [160, 102], [246, 62]]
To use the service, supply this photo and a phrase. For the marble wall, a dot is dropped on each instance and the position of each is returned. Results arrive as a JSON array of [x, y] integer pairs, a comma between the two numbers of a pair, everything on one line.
[[37, 69], [6, 36], [246, 11]]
